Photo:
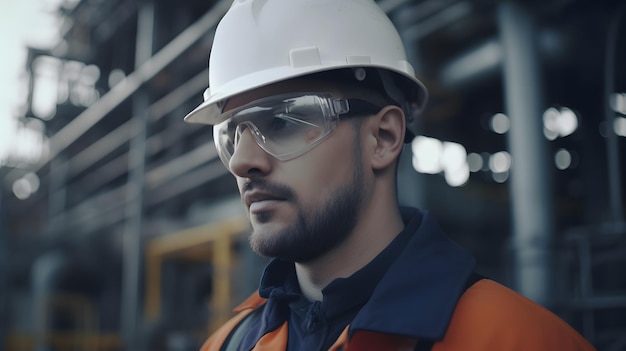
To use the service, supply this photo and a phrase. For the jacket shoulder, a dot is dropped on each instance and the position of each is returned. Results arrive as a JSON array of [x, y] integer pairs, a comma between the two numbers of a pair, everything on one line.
[[217, 339], [490, 316]]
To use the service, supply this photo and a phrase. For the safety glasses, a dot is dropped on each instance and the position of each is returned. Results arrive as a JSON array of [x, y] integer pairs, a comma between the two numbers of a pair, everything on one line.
[[286, 126]]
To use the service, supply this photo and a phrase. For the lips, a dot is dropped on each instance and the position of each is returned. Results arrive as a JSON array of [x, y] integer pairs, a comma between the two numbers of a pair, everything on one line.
[[257, 197]]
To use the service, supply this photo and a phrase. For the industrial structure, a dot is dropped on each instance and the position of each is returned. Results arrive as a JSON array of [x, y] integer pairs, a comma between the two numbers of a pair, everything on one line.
[[125, 231]]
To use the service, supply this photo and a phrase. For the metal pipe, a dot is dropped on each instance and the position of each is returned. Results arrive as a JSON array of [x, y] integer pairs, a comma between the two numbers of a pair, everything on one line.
[[45, 275], [613, 159], [437, 21], [133, 244], [107, 209], [586, 286], [122, 134], [421, 11], [485, 59], [57, 192], [530, 185], [410, 185], [187, 182], [186, 167], [480, 61]]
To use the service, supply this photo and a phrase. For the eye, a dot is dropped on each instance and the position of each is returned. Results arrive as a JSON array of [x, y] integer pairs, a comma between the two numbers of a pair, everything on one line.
[[280, 123], [229, 134]]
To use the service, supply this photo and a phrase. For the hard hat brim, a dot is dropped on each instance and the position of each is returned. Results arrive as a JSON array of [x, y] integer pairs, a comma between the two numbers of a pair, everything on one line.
[[209, 111]]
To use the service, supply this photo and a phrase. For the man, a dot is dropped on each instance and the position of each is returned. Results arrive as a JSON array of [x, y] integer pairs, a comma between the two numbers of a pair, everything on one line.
[[311, 102]]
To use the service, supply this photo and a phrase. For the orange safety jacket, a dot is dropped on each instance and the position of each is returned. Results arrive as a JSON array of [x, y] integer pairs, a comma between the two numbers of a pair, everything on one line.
[[488, 316], [424, 297]]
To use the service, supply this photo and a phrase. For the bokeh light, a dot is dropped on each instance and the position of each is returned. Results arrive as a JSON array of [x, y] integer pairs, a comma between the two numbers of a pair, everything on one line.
[[562, 159], [559, 122], [500, 123]]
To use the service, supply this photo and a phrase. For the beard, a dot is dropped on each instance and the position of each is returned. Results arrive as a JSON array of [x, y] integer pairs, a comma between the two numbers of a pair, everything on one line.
[[316, 231]]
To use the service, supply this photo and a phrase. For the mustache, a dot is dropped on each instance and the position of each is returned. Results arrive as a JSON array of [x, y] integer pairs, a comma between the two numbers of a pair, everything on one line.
[[263, 185]]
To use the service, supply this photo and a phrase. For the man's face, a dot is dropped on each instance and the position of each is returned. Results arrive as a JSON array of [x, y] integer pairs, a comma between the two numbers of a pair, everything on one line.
[[302, 208]]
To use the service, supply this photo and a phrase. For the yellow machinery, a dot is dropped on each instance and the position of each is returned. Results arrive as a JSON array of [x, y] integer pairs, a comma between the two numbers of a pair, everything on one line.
[[77, 308], [213, 243]]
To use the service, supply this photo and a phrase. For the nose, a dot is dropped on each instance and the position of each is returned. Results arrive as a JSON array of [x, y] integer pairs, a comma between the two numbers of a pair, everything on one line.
[[249, 159]]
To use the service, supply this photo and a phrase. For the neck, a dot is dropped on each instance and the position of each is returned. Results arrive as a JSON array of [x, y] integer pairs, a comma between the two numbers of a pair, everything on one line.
[[378, 225]]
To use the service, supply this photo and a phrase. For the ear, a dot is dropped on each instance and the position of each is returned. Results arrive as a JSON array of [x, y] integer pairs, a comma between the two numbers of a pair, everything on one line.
[[387, 129]]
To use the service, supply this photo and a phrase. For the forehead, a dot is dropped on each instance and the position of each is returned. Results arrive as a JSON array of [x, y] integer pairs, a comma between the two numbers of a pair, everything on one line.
[[289, 86]]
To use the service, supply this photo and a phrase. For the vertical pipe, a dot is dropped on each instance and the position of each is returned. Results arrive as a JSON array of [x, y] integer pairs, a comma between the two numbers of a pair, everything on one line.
[[410, 184], [132, 256], [44, 278], [57, 193], [586, 287], [222, 293], [410, 190], [615, 184], [530, 187]]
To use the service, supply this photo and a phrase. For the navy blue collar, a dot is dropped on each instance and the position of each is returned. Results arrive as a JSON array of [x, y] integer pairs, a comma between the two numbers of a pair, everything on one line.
[[419, 292], [413, 285]]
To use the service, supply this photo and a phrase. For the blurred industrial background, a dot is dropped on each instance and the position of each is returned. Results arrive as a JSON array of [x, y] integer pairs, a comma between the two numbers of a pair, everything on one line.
[[121, 230]]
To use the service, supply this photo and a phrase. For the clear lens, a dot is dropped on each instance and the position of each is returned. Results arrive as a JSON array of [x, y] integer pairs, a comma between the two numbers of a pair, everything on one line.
[[284, 126]]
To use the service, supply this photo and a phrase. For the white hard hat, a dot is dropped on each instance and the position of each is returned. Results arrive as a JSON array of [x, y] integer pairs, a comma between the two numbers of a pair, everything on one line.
[[259, 42]]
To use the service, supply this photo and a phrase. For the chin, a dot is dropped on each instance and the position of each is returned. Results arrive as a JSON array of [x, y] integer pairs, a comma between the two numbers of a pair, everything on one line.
[[266, 232]]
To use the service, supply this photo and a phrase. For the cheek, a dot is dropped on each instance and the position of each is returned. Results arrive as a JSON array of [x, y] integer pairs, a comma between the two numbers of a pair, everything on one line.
[[317, 174], [312, 135]]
